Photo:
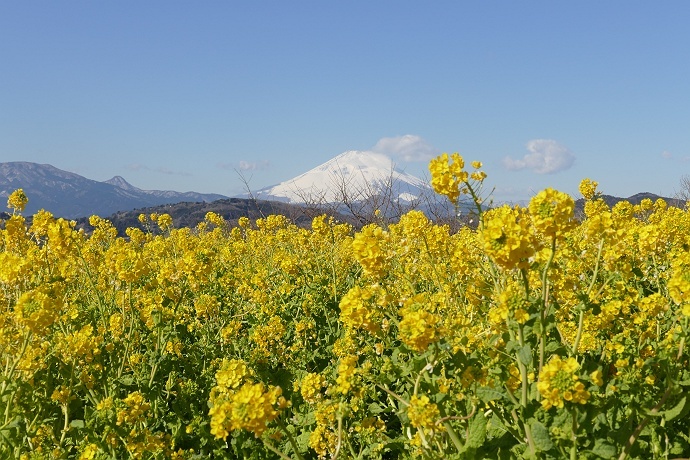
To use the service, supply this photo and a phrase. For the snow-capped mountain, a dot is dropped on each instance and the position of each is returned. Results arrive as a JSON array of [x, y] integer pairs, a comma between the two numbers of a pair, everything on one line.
[[349, 177], [70, 195]]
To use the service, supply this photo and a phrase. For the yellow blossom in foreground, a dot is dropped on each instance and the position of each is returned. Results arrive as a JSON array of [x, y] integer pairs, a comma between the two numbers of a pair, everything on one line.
[[357, 311], [346, 372], [597, 378], [38, 309], [418, 329], [558, 383], [507, 237], [136, 408], [17, 200], [89, 452], [311, 387], [447, 178], [422, 413], [249, 408], [552, 212], [367, 248], [231, 373], [588, 188]]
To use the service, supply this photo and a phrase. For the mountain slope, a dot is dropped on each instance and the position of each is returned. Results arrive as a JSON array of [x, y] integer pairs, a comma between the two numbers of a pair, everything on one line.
[[70, 195], [352, 175]]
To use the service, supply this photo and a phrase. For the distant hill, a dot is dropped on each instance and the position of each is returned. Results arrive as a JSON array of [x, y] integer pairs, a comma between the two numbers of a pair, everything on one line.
[[187, 214], [71, 196], [634, 199]]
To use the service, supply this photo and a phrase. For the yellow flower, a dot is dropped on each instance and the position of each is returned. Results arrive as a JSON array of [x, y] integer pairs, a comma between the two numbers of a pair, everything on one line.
[[135, 409], [596, 378], [558, 383], [507, 237], [38, 309], [368, 249], [89, 452], [588, 188], [249, 408], [346, 373], [418, 329], [422, 413], [552, 212], [447, 179], [17, 200], [311, 387], [357, 309], [231, 373]]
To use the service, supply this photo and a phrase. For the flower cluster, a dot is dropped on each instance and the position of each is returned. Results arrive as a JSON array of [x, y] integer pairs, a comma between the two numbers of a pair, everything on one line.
[[508, 237], [558, 383], [448, 175]]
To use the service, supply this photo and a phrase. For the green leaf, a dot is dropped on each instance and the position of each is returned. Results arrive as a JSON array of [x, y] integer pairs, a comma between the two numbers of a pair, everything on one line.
[[477, 434], [77, 424], [677, 410], [487, 394], [540, 435], [603, 449], [375, 408], [525, 355]]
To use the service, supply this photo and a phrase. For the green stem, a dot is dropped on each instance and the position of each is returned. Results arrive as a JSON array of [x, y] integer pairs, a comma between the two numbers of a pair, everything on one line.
[[10, 374], [65, 426], [477, 204], [573, 448], [578, 337], [522, 368], [270, 447], [596, 266], [290, 438], [633, 437], [544, 313]]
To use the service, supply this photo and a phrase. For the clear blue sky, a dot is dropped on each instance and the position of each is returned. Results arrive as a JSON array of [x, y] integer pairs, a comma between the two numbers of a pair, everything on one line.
[[179, 95]]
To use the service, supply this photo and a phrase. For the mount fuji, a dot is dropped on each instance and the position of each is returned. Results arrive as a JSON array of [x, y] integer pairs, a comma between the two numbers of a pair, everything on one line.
[[351, 176]]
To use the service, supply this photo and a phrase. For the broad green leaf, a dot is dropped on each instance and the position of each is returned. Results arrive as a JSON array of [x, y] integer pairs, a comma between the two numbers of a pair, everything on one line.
[[375, 408], [487, 394], [477, 434], [525, 355], [77, 424], [540, 434], [677, 410], [603, 449]]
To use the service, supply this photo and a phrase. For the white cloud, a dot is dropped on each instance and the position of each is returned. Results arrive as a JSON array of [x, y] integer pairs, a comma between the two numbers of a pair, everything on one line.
[[545, 157], [666, 155], [243, 165], [159, 170], [407, 148]]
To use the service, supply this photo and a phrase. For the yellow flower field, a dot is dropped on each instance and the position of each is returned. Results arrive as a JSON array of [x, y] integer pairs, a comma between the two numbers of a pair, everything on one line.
[[535, 335]]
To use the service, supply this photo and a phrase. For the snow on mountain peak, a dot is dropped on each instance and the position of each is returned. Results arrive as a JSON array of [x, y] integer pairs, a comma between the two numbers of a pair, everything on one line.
[[353, 174]]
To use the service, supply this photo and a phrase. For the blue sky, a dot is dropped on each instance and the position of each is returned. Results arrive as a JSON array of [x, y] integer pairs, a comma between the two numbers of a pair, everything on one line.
[[183, 95]]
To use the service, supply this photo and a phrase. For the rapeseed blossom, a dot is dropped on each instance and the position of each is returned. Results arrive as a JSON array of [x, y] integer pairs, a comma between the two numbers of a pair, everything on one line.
[[448, 175], [17, 200], [507, 236], [558, 383], [422, 412]]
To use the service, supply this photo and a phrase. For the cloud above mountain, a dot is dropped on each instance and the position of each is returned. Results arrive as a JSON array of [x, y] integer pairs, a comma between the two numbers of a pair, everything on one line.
[[666, 155], [545, 156], [406, 148], [244, 165], [159, 170]]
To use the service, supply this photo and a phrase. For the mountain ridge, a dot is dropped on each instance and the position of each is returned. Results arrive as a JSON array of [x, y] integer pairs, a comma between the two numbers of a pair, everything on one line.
[[69, 195]]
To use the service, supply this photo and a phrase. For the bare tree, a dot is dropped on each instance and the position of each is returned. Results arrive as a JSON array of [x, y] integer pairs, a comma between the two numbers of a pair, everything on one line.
[[683, 194]]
